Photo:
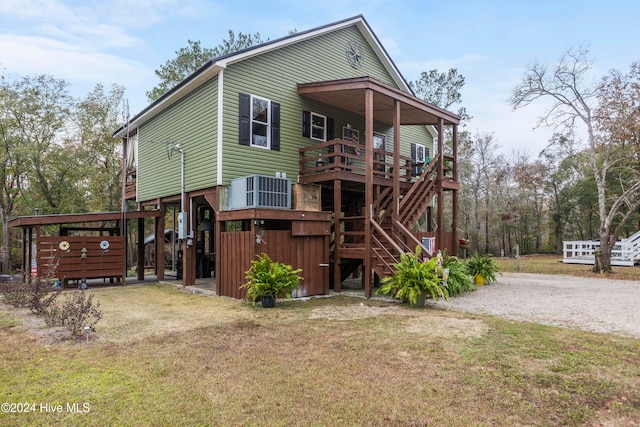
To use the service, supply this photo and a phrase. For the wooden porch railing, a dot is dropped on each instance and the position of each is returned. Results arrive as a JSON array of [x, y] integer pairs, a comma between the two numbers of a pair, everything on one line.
[[341, 155]]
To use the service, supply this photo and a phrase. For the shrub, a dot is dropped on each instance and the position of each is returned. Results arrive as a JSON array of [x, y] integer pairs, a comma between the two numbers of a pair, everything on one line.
[[36, 296], [75, 313], [414, 277], [484, 266], [41, 296], [459, 280], [268, 277], [15, 294]]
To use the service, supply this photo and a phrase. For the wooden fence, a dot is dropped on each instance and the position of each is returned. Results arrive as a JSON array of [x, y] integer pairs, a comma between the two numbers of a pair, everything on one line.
[[310, 253], [81, 257]]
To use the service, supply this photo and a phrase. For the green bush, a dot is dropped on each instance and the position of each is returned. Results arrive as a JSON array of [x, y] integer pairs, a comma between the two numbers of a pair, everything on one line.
[[414, 277], [484, 266], [268, 277], [459, 280]]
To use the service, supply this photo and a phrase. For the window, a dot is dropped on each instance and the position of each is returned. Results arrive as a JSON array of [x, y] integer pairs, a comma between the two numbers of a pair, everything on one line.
[[316, 126], [379, 141], [419, 156], [350, 134], [259, 122]]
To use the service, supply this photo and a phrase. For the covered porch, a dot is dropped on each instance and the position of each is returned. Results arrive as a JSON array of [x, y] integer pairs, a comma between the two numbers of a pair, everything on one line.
[[396, 190]]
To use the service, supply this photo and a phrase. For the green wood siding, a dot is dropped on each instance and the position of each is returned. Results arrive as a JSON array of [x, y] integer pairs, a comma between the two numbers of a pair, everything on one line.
[[193, 123], [275, 76]]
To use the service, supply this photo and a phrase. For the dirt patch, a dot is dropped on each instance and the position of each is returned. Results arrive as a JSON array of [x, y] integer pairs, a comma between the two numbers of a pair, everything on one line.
[[352, 312], [447, 327], [36, 325], [419, 322]]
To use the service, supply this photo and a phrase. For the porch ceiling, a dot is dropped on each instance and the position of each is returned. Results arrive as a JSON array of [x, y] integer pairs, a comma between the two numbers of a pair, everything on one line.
[[349, 94]]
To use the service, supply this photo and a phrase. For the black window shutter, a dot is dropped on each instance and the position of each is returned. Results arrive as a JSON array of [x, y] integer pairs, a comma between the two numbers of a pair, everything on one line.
[[275, 126], [244, 132], [329, 129], [306, 124], [426, 155]]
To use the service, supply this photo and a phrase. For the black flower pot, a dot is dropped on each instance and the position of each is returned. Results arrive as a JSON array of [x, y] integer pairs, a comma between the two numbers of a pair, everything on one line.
[[268, 301]]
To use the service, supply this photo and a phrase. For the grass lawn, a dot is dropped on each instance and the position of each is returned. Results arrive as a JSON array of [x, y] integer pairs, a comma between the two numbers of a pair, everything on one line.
[[161, 356], [551, 264]]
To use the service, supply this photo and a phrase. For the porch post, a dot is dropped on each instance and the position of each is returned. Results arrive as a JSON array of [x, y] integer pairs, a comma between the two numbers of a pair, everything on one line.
[[454, 221], [337, 234], [29, 256], [440, 235], [141, 260], [368, 196], [396, 159], [25, 262]]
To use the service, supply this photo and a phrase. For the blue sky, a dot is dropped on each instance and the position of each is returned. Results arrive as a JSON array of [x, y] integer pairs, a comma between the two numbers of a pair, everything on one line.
[[490, 42]]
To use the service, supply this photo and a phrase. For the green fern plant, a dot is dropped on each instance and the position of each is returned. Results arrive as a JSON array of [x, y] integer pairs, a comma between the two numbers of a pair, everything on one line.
[[412, 278], [484, 266], [268, 277], [459, 280]]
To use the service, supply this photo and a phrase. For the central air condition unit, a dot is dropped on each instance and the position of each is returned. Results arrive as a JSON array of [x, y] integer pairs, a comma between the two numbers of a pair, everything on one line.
[[260, 191]]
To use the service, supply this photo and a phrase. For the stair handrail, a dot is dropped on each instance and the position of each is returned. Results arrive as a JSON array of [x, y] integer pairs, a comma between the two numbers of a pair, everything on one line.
[[384, 234], [411, 237], [426, 174]]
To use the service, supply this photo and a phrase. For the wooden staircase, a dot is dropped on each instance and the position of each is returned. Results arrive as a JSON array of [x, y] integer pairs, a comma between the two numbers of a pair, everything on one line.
[[393, 237]]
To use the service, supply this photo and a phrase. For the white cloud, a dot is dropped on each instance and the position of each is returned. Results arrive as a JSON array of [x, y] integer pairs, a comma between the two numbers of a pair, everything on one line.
[[40, 55]]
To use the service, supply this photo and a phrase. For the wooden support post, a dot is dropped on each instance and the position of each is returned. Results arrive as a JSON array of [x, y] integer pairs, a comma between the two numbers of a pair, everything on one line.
[[25, 263], [396, 159], [337, 234], [213, 199], [218, 250], [30, 256], [368, 265], [454, 221], [141, 260], [160, 253], [440, 231]]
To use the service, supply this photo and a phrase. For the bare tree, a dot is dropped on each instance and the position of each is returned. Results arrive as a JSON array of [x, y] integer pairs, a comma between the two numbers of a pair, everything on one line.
[[573, 102]]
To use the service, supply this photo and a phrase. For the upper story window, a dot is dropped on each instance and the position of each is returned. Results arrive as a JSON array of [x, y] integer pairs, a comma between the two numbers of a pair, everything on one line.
[[316, 126], [259, 122], [419, 156]]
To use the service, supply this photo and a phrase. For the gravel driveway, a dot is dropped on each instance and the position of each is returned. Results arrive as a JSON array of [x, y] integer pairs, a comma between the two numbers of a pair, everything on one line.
[[599, 305]]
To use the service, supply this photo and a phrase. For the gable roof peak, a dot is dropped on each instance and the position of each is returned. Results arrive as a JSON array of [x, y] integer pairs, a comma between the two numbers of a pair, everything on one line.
[[214, 66]]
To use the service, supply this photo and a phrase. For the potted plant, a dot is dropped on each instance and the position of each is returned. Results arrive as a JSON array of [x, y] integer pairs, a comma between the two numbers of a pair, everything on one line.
[[269, 280], [458, 280], [483, 268], [464, 243], [414, 280]]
